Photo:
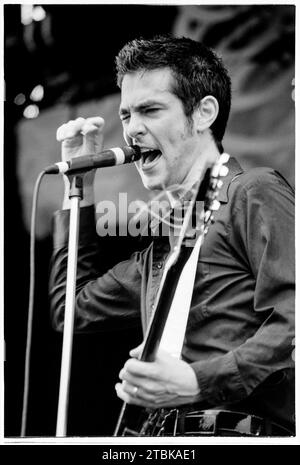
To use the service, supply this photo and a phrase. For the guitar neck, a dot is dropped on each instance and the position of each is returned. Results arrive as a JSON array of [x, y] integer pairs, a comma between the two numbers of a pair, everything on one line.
[[208, 185], [159, 317]]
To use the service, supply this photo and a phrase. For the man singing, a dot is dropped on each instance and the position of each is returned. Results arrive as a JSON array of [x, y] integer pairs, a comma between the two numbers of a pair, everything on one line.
[[237, 353]]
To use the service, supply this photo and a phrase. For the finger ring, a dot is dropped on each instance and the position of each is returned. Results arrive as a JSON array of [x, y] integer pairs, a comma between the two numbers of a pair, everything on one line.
[[135, 391]]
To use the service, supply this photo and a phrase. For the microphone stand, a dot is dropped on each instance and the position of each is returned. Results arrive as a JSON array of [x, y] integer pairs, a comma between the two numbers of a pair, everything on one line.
[[76, 194]]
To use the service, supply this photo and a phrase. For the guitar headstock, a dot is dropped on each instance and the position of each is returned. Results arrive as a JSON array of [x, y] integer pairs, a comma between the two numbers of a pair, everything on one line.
[[209, 191], [211, 203]]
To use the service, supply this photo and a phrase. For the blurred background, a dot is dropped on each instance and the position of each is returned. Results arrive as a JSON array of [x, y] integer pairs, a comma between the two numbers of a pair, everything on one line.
[[59, 64]]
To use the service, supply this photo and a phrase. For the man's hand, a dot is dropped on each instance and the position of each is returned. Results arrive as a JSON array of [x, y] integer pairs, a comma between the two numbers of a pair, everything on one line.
[[83, 136], [166, 382]]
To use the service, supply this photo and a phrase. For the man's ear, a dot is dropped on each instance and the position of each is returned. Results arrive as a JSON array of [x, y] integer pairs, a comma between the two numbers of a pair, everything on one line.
[[206, 113]]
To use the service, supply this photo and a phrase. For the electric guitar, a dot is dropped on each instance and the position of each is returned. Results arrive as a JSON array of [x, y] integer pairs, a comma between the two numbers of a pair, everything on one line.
[[135, 421]]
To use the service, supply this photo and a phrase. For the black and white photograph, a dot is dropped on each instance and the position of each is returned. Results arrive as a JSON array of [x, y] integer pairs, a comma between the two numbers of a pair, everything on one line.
[[149, 226]]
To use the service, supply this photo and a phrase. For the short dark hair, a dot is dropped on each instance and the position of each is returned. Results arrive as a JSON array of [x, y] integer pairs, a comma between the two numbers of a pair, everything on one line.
[[197, 70]]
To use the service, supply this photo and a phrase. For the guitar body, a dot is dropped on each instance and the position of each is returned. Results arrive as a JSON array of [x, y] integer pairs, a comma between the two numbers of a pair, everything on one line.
[[189, 422]]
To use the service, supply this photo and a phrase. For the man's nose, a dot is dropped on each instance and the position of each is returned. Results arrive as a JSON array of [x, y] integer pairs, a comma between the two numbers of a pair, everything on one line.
[[135, 127]]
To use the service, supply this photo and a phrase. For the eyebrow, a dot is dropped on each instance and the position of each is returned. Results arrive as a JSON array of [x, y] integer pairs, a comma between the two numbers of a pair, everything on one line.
[[140, 107]]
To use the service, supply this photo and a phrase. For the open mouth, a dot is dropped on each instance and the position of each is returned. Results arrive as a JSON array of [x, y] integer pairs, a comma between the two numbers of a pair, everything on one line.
[[149, 157]]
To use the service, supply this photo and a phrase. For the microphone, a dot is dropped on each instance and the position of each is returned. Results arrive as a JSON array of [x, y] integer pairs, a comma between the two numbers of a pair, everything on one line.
[[110, 157]]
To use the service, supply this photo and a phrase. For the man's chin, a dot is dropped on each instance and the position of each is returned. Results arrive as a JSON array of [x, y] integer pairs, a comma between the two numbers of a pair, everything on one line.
[[151, 182]]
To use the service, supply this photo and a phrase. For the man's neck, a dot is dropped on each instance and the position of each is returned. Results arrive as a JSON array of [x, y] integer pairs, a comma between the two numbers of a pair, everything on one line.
[[207, 158]]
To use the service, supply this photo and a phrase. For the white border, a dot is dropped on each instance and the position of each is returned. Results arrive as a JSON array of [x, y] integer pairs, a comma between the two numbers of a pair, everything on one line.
[[178, 441]]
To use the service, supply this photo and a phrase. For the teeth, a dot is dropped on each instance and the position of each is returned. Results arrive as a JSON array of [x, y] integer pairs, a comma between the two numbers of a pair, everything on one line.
[[148, 150], [150, 155]]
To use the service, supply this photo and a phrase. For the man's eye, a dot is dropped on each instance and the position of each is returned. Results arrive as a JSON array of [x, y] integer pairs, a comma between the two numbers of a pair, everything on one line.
[[151, 110], [124, 117]]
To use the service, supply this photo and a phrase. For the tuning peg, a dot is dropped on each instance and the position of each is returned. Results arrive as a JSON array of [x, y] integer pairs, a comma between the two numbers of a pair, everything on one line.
[[206, 227], [208, 215], [223, 171], [215, 205], [219, 170], [224, 158]]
